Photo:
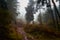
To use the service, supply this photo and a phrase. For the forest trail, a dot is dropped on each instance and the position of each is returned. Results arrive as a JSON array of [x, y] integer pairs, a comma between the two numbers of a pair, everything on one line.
[[21, 31]]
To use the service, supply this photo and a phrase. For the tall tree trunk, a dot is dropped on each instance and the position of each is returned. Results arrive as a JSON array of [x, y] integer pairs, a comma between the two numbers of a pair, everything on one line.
[[40, 18], [59, 5], [57, 14], [56, 8], [50, 11]]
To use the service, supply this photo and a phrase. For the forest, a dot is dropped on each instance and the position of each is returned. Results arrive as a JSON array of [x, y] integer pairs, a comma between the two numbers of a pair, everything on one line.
[[46, 26]]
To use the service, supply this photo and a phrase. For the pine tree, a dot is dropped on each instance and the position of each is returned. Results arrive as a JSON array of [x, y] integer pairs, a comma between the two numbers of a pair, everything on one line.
[[5, 19], [29, 15]]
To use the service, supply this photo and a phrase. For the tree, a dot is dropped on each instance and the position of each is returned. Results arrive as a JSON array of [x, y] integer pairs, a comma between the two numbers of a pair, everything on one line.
[[53, 14], [12, 6], [40, 18], [29, 15], [5, 19]]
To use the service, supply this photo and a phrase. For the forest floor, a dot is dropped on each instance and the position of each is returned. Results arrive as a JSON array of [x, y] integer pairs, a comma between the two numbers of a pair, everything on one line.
[[35, 32]]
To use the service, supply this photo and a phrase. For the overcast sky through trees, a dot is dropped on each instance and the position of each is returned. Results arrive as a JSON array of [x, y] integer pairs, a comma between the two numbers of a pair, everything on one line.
[[24, 3]]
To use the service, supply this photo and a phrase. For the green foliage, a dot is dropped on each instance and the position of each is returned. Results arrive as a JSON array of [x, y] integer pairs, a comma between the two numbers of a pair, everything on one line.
[[29, 15], [4, 22], [5, 17]]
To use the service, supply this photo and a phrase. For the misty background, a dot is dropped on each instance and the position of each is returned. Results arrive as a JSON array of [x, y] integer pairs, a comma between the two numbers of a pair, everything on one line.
[[28, 4]]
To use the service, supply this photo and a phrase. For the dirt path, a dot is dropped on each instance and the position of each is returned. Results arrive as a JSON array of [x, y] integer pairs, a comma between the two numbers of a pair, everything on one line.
[[21, 31]]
